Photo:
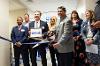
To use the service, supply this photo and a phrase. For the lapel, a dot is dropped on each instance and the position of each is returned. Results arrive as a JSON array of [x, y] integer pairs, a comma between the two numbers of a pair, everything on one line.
[[19, 31], [41, 24]]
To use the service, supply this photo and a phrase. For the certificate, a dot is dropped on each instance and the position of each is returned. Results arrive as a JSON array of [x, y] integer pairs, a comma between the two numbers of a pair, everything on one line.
[[35, 33], [92, 48]]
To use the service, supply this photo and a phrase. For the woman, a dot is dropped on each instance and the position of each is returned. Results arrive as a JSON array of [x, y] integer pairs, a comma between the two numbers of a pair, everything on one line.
[[79, 45], [53, 53], [90, 36]]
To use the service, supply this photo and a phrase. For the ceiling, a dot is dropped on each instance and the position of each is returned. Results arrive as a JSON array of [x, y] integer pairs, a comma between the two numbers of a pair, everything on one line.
[[21, 4], [15, 5]]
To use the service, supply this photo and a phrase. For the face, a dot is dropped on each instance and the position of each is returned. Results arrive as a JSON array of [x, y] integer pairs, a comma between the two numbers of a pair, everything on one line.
[[37, 16], [26, 17], [87, 15], [74, 15], [19, 21], [52, 21], [61, 12]]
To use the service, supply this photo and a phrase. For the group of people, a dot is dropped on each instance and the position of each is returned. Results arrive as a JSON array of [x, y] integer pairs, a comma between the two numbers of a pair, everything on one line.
[[69, 38]]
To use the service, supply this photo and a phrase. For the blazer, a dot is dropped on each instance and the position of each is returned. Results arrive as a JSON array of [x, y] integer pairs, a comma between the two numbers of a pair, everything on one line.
[[20, 36], [64, 37]]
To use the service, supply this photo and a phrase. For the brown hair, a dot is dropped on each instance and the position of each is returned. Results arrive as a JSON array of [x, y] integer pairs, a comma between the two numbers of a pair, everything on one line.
[[63, 8], [26, 14], [38, 12], [20, 17], [75, 12]]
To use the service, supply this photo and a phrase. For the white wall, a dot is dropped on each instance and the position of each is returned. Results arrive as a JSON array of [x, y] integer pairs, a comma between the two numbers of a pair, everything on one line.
[[90, 4], [13, 17], [4, 31], [81, 7], [49, 7]]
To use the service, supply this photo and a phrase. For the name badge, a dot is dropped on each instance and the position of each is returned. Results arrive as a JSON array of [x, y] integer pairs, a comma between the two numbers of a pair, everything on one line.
[[35, 33], [22, 30]]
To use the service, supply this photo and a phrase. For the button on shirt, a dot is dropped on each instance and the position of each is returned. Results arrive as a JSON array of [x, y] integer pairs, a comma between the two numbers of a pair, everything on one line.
[[37, 24]]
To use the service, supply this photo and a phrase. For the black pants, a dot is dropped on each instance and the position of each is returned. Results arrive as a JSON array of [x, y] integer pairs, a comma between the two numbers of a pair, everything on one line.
[[65, 59], [25, 55], [53, 55], [42, 51]]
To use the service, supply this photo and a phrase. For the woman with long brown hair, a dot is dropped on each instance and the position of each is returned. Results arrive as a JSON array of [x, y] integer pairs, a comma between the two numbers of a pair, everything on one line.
[[79, 45]]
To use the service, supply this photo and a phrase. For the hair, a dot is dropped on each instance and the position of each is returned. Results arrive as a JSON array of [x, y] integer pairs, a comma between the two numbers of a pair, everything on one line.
[[63, 8], [20, 17], [75, 12], [38, 12], [98, 2], [26, 14], [55, 18], [91, 13]]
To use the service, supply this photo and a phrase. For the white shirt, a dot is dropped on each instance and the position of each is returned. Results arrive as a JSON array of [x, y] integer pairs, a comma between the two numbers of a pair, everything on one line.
[[26, 24], [89, 34], [37, 24]]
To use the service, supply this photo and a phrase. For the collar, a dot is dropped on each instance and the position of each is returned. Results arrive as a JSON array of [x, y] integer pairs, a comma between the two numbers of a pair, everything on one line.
[[37, 21], [19, 25]]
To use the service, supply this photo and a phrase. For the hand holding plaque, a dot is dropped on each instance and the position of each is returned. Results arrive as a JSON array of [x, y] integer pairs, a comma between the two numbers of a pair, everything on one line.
[[36, 33]]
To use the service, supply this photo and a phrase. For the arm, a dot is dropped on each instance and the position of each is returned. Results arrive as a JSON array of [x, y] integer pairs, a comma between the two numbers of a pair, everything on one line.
[[95, 38], [67, 34], [82, 30], [13, 36]]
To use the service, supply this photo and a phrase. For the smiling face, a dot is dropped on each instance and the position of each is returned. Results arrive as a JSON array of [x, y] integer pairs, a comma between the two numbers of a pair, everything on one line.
[[88, 14], [61, 11], [74, 15], [19, 20], [37, 15]]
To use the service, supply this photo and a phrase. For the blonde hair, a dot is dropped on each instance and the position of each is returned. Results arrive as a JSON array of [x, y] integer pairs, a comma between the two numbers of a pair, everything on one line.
[[91, 13], [55, 19]]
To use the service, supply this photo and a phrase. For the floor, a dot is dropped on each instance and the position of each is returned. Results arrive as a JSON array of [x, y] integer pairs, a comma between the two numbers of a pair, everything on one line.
[[38, 60]]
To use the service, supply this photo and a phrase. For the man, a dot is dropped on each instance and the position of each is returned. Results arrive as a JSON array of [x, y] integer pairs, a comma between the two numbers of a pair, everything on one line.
[[27, 20], [65, 44], [26, 23], [41, 48], [19, 36]]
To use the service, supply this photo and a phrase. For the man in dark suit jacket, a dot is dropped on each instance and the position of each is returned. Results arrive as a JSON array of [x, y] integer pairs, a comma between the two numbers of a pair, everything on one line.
[[41, 48], [19, 35]]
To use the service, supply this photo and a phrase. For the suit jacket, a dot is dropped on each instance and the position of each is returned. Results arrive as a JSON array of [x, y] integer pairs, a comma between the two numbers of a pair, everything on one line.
[[64, 36], [20, 36], [43, 25]]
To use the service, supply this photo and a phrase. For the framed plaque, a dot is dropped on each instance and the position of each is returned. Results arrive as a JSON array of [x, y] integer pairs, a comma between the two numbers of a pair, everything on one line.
[[35, 33]]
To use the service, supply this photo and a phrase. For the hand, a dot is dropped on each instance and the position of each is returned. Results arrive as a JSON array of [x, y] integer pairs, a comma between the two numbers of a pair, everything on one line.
[[81, 55], [29, 32], [50, 33], [56, 45], [97, 24], [77, 47], [88, 41], [91, 41], [18, 44], [75, 39]]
